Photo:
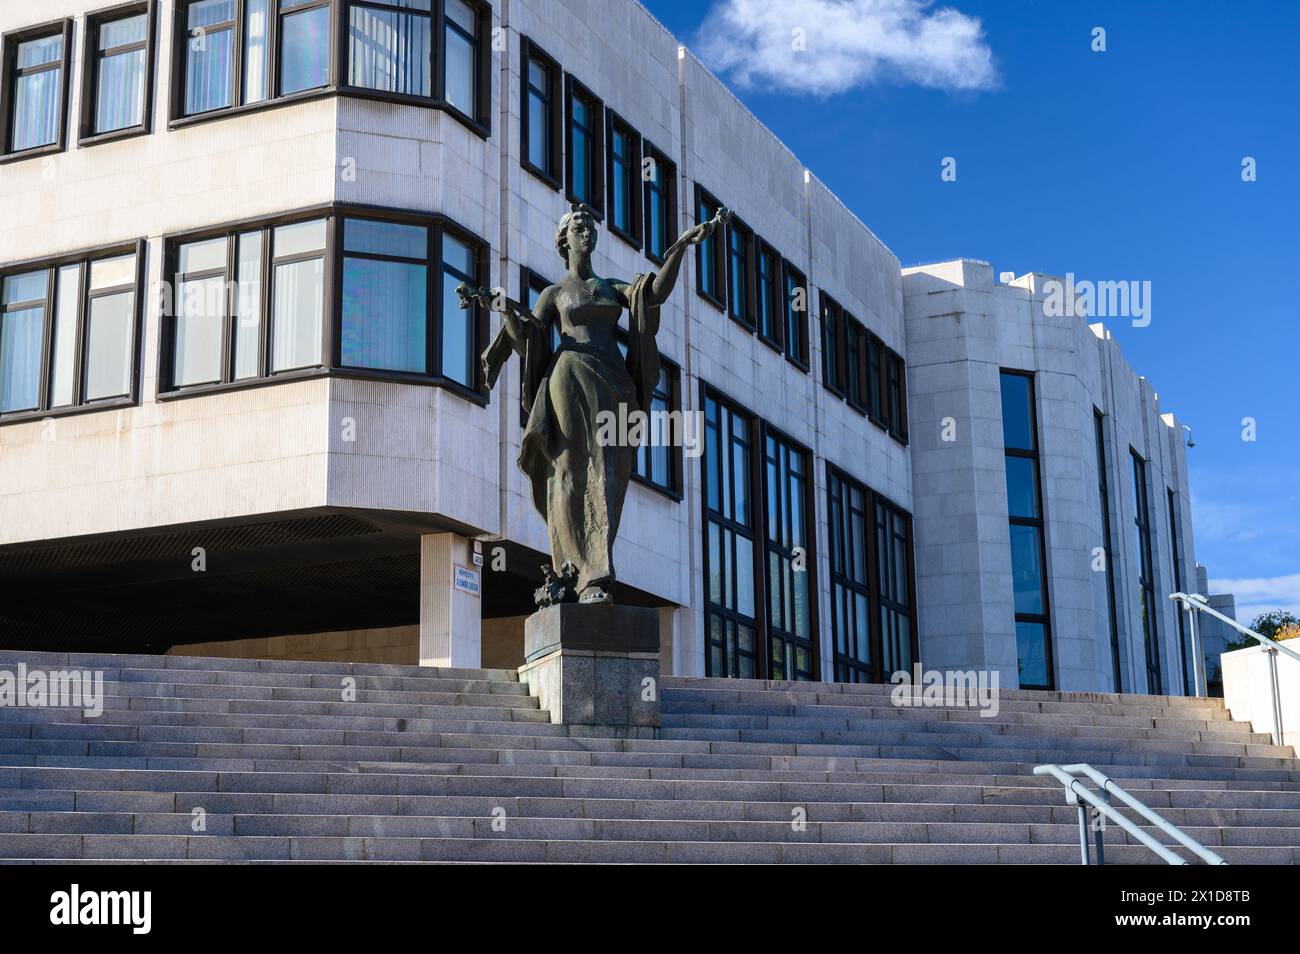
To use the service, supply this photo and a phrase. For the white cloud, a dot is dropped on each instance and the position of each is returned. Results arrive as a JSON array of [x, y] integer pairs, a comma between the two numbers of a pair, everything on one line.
[[1256, 595], [848, 43]]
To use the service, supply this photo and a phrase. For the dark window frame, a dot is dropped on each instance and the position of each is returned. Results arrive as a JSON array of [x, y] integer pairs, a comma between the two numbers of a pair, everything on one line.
[[1103, 481], [84, 259], [1175, 522], [833, 356], [673, 488], [553, 174], [617, 125], [332, 316], [895, 396], [776, 546], [90, 58], [574, 89], [854, 339], [768, 294], [746, 316], [1147, 604], [8, 76], [716, 269], [668, 189], [795, 341], [337, 84], [1039, 523], [849, 667]]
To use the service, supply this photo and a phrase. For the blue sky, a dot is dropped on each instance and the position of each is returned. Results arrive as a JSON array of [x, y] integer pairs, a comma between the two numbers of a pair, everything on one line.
[[1123, 164]]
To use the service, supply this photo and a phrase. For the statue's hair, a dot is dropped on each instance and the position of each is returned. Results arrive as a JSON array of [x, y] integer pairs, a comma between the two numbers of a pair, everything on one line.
[[562, 230]]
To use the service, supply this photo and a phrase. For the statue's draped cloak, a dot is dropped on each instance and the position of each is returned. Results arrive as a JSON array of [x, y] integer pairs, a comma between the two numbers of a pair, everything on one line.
[[578, 484]]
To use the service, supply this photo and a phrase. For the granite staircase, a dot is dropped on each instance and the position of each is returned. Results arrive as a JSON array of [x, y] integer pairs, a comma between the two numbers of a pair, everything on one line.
[[221, 760]]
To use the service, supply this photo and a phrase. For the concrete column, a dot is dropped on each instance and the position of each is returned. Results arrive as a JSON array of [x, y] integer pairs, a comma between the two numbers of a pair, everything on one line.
[[449, 617]]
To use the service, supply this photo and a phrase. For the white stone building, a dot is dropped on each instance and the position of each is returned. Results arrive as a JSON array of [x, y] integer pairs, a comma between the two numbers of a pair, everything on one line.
[[239, 409]]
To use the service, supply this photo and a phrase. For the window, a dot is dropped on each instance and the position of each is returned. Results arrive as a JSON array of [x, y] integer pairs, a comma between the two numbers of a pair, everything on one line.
[[1176, 557], [658, 461], [69, 332], [623, 174], [117, 74], [872, 590], [877, 364], [855, 363], [710, 255], [759, 609], [896, 394], [660, 204], [385, 296], [1103, 489], [730, 608], [390, 46], [790, 632], [585, 133], [832, 365], [1024, 509], [740, 273], [348, 291], [1146, 576], [533, 285], [463, 74], [795, 314], [541, 127], [304, 31], [36, 89], [767, 295]]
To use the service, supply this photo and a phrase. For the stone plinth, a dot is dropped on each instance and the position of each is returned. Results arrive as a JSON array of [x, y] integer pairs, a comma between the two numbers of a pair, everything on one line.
[[595, 665]]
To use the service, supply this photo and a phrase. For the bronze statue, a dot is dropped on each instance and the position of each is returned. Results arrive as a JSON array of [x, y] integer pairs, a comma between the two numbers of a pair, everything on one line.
[[578, 480]]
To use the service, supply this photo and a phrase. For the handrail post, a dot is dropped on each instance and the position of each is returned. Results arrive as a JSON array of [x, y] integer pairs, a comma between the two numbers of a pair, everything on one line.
[[1083, 833], [1198, 659], [1275, 694], [1099, 828]]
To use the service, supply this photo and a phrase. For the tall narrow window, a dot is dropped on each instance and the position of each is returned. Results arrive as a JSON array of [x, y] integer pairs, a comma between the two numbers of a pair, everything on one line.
[[730, 605], [623, 175], [795, 315], [257, 59], [896, 394], [655, 460], [88, 310], [298, 295], [36, 75], [540, 121], [660, 203], [585, 179], [1103, 490], [1176, 556], [767, 296], [385, 296], [210, 55], [832, 335], [710, 254], [200, 312], [855, 348], [877, 406], [790, 635], [851, 617], [894, 576], [461, 52], [740, 241], [390, 46], [1024, 508], [460, 344], [1146, 576], [118, 65]]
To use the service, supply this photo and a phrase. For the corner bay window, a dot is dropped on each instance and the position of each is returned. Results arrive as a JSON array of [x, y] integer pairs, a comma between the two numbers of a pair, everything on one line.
[[759, 617], [36, 84], [390, 46], [1025, 512], [389, 311], [68, 332]]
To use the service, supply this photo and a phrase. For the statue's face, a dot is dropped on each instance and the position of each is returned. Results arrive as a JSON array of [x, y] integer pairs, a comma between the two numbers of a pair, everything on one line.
[[581, 234]]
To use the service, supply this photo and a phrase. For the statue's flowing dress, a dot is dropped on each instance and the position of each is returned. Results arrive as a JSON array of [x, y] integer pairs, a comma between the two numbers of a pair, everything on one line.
[[578, 481]]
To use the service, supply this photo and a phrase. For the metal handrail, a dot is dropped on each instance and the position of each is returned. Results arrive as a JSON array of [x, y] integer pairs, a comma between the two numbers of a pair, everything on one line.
[[1195, 603], [1076, 793]]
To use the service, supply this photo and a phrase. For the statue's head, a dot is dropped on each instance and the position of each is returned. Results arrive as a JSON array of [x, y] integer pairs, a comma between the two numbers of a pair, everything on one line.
[[577, 231]]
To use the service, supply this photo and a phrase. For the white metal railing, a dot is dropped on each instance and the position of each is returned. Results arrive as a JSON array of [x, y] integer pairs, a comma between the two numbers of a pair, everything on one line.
[[1076, 794], [1195, 604]]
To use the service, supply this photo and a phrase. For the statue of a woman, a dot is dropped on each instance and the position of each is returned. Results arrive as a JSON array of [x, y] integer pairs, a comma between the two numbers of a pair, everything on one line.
[[579, 476]]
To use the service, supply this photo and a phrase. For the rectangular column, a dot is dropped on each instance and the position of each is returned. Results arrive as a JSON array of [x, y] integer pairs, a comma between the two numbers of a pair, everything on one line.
[[451, 602]]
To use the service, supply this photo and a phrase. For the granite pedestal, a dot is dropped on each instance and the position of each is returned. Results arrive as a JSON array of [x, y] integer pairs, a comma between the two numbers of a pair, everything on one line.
[[594, 664]]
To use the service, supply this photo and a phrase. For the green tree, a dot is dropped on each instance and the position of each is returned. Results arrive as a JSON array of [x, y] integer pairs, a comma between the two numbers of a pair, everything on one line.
[[1275, 624]]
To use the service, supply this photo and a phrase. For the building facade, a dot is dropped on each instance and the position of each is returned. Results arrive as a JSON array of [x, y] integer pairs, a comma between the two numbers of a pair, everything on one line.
[[241, 410]]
